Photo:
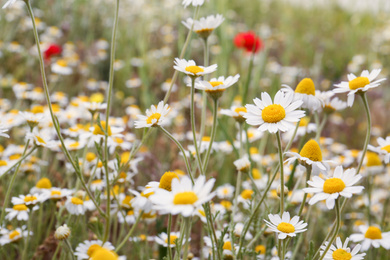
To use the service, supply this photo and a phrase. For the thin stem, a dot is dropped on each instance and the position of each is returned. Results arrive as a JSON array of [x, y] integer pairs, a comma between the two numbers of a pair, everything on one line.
[[130, 232], [193, 126], [11, 184], [212, 138], [336, 231], [281, 173], [26, 244], [204, 94], [187, 230], [169, 236], [368, 134], [68, 245], [321, 127], [308, 173], [181, 149]]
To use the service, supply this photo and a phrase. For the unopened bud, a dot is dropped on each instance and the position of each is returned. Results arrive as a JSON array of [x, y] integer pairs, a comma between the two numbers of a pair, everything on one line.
[[62, 232]]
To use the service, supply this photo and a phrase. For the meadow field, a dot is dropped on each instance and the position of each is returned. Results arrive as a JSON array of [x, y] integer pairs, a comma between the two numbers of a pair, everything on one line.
[[195, 129]]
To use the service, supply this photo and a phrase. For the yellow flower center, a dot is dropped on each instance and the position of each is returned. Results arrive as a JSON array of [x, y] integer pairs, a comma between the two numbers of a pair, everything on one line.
[[227, 245], [20, 207], [96, 182], [92, 249], [306, 86], [15, 156], [43, 183], [166, 180], [13, 234], [37, 109], [206, 138], [341, 254], [3, 163], [104, 254], [30, 198], [312, 151], [386, 148], [77, 201], [333, 185], [130, 213], [286, 227], [247, 194], [39, 139], [201, 212], [226, 204], [118, 140], [55, 193], [273, 113], [373, 233], [90, 157], [74, 145], [373, 159], [126, 200], [185, 198], [359, 82], [215, 83], [97, 98], [194, 69], [240, 109], [62, 63], [146, 194], [304, 121], [173, 239], [256, 174], [156, 116], [260, 249], [98, 131]]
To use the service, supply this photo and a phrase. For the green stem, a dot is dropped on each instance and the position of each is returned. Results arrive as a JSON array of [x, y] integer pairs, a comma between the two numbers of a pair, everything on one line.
[[11, 184], [281, 173], [69, 248], [193, 126], [204, 94], [368, 134], [336, 231], [27, 240], [130, 232], [212, 138], [248, 79], [187, 230], [169, 236], [308, 174], [321, 127], [181, 149]]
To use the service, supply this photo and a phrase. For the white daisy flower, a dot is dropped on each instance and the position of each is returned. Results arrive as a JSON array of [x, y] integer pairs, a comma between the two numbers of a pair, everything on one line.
[[61, 67], [310, 154], [340, 184], [40, 139], [32, 119], [185, 197], [98, 184], [225, 191], [162, 239], [164, 183], [20, 212], [75, 206], [205, 25], [330, 103], [285, 226], [237, 112], [191, 69], [86, 249], [14, 235], [154, 117], [371, 236], [29, 200], [216, 86], [274, 116], [306, 92], [342, 251], [142, 201], [129, 217], [383, 148], [355, 84], [243, 164], [185, 2]]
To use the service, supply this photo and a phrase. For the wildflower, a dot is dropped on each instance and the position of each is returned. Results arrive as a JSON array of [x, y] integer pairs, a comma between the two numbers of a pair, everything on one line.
[[216, 86], [185, 197], [340, 184], [154, 117], [29, 199], [225, 191], [285, 226], [40, 139], [243, 164], [383, 148], [165, 181], [237, 112], [186, 3], [57, 193], [310, 154], [342, 251], [14, 235], [33, 119], [142, 201], [355, 84], [61, 67], [248, 41], [371, 236], [129, 217], [75, 206], [205, 25], [62, 232], [52, 50], [274, 116], [20, 212], [86, 249], [162, 239], [306, 92], [191, 69]]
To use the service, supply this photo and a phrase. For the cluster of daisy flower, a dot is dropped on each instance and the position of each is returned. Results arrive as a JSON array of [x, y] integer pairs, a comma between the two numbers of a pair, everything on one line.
[[191, 176]]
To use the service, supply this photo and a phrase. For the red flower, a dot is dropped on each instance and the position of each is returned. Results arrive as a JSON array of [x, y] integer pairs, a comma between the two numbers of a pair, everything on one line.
[[249, 41], [53, 49]]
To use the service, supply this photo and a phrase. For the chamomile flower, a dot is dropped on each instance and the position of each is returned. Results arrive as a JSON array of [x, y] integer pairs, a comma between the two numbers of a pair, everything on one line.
[[154, 117], [162, 239], [29, 200], [205, 25], [33, 119], [225, 191], [86, 249], [243, 164], [355, 84], [57, 193], [216, 86], [371, 236], [164, 183], [185, 197], [129, 217], [40, 139], [185, 2], [285, 226], [44, 184], [237, 112], [75, 206], [342, 251], [61, 67], [340, 184], [274, 116], [306, 92], [383, 148], [62, 232], [14, 235], [191, 69], [310, 154], [103, 253], [20, 212]]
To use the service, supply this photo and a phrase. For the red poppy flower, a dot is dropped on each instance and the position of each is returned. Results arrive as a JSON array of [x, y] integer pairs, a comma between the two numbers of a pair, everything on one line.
[[248, 41], [53, 49]]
